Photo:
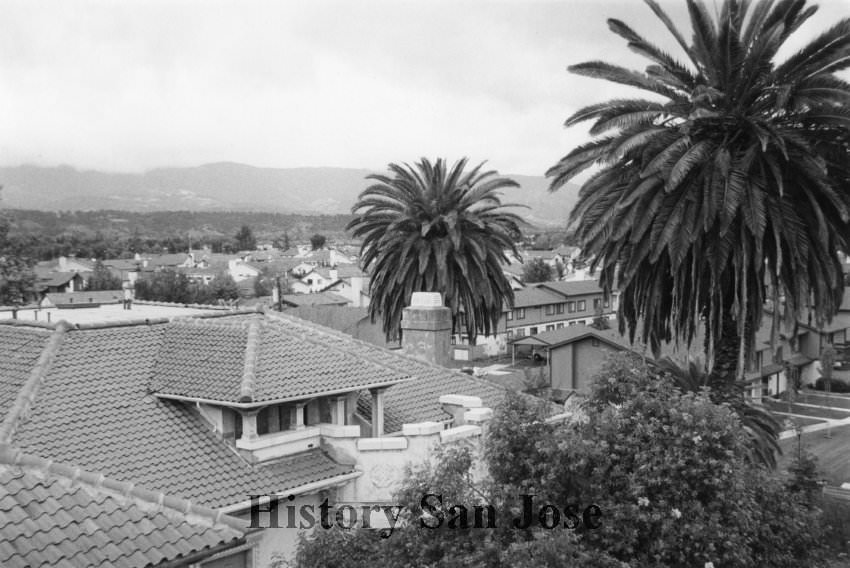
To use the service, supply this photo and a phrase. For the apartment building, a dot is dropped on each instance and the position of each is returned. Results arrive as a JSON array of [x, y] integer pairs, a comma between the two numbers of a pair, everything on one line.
[[541, 307]]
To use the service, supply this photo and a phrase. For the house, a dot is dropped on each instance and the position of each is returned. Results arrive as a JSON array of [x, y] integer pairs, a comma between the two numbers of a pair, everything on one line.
[[213, 409], [169, 261], [545, 306], [50, 281], [240, 270], [59, 515], [551, 257], [574, 354], [67, 264], [348, 281], [311, 280]]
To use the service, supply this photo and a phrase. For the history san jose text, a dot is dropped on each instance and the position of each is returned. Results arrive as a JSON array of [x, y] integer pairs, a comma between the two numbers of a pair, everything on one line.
[[276, 511]]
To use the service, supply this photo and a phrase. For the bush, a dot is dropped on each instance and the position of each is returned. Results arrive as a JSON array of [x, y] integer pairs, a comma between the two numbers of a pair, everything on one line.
[[835, 385]]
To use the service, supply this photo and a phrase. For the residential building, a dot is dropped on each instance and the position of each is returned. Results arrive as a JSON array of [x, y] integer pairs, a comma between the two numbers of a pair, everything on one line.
[[574, 354], [214, 409], [541, 307]]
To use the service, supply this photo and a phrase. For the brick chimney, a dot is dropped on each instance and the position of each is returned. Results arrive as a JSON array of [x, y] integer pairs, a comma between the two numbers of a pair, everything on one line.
[[426, 328]]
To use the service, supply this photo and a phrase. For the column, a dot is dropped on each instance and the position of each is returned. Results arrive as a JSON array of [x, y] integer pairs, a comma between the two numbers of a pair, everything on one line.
[[377, 412], [338, 410], [296, 416]]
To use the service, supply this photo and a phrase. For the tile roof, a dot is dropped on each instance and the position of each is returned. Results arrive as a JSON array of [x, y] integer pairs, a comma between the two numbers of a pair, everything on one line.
[[22, 347], [257, 359], [93, 409], [57, 515], [573, 333]]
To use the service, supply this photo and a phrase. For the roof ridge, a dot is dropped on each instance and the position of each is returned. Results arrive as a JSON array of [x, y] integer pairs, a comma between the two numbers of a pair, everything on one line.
[[101, 484], [31, 323], [249, 377], [392, 352], [26, 396]]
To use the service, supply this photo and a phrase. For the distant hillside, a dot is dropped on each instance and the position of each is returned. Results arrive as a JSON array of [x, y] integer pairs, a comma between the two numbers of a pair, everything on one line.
[[230, 186]]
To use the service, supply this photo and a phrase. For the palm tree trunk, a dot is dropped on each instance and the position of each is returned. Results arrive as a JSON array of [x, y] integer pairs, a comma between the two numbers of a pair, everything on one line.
[[727, 346]]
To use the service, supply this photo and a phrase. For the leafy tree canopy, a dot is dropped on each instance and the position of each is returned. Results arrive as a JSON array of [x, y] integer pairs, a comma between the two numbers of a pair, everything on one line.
[[536, 270]]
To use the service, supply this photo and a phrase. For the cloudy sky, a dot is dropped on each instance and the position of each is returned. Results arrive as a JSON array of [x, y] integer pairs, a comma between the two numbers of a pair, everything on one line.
[[132, 85]]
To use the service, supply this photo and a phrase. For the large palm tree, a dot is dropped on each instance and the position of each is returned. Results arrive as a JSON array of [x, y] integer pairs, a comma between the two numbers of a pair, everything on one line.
[[725, 188], [431, 228]]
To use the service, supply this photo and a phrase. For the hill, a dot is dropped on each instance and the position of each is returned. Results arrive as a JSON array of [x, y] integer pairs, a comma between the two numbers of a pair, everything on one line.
[[230, 186]]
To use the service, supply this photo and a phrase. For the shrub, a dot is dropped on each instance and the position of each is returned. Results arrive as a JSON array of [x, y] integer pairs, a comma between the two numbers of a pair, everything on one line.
[[835, 385]]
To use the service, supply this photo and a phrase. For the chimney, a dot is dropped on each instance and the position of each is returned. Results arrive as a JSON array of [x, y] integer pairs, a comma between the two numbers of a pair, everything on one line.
[[334, 274], [426, 328], [63, 264]]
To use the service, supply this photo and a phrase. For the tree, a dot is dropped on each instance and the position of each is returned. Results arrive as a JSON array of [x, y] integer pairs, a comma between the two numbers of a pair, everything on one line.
[[245, 239], [431, 228], [282, 242], [536, 270], [102, 279], [16, 276], [731, 177], [223, 287], [317, 241]]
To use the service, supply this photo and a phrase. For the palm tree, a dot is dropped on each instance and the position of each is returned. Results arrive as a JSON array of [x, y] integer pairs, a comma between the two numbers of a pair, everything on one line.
[[727, 186], [431, 228]]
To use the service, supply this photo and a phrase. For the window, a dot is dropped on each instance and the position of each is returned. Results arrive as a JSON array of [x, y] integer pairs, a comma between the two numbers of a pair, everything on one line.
[[510, 334], [532, 331], [510, 315], [571, 307], [573, 323], [582, 305], [560, 308], [594, 342], [550, 327], [606, 304], [238, 560], [560, 325], [520, 332], [549, 309], [597, 303], [520, 313]]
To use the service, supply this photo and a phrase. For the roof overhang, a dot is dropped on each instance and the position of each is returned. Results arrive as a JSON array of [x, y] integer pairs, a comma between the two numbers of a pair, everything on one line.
[[261, 404]]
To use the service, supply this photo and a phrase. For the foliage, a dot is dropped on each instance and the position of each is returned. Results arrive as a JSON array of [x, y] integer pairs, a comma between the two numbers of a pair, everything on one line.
[[831, 385], [44, 235], [761, 427], [223, 287], [102, 279], [827, 362], [536, 270], [173, 286], [318, 241], [513, 431], [600, 322], [732, 175], [245, 239], [16, 280], [16, 276], [435, 228], [669, 471]]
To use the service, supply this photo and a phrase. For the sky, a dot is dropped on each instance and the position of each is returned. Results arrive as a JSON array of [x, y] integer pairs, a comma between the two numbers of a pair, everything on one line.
[[135, 85]]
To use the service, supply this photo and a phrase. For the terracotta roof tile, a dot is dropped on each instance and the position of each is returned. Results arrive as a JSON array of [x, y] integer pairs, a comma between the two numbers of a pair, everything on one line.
[[211, 360], [48, 519], [93, 409]]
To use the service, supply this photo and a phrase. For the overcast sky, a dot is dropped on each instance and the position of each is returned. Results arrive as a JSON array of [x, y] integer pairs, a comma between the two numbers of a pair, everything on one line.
[[132, 85]]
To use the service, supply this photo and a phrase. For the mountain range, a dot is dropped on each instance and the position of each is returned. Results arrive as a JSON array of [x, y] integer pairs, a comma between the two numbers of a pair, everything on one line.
[[231, 186]]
